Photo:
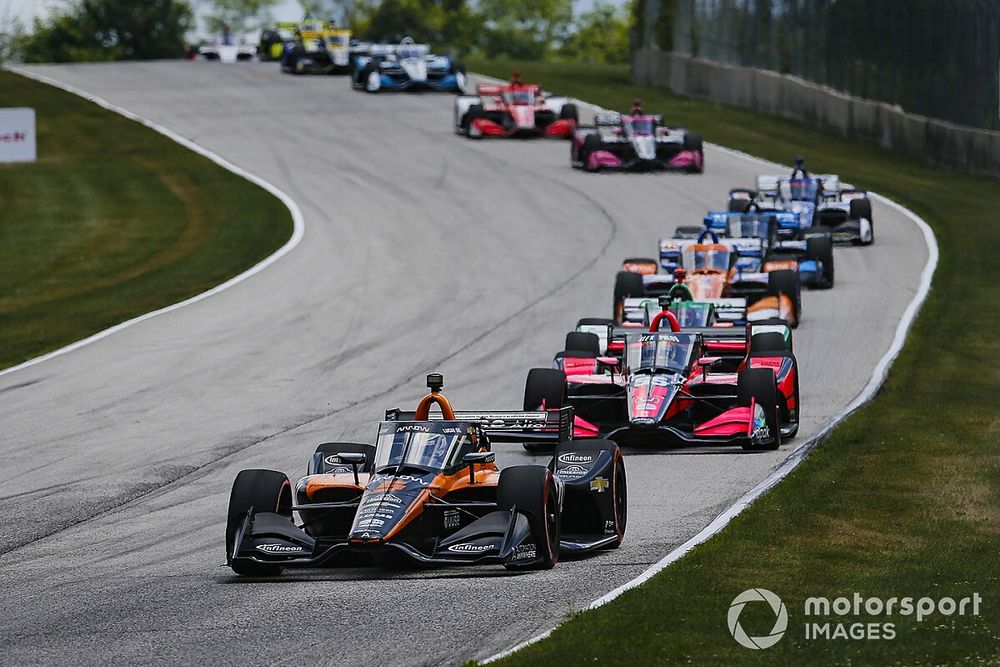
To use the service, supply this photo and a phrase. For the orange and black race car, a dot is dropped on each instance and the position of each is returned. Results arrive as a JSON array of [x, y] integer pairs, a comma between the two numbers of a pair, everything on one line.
[[430, 489]]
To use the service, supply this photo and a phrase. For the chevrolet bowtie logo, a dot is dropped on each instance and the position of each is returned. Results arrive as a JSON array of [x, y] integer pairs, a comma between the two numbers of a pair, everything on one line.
[[599, 484]]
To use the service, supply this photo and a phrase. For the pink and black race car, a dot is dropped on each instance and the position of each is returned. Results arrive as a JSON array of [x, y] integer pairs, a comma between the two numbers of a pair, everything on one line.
[[635, 141], [514, 109], [667, 386]]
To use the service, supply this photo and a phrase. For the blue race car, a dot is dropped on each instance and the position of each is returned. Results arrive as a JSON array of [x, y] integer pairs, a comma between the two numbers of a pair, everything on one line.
[[406, 66]]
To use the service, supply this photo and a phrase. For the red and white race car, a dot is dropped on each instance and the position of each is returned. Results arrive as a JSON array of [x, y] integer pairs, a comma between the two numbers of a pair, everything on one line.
[[514, 109]]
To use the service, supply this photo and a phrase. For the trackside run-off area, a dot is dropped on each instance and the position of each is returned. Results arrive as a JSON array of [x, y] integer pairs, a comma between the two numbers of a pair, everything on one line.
[[902, 500], [113, 221]]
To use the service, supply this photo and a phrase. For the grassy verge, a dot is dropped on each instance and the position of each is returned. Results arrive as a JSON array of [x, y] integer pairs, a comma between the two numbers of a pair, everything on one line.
[[112, 221], [902, 500]]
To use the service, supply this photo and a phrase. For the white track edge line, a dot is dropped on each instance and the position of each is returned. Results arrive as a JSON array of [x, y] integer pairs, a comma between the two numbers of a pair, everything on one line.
[[875, 382], [298, 221]]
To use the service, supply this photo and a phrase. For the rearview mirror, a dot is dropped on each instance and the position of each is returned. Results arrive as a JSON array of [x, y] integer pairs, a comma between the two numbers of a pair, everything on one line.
[[708, 362], [353, 459], [472, 458]]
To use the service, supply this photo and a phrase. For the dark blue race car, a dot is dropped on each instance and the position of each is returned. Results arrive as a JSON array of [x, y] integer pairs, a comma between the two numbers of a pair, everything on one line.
[[405, 66]]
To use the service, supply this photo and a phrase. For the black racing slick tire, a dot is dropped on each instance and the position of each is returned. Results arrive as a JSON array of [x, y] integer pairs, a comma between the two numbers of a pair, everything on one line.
[[692, 142], [544, 386], [772, 344], [290, 61], [591, 143], [264, 491], [367, 71], [531, 489], [579, 341], [569, 112], [475, 111], [760, 385], [820, 249], [862, 208], [628, 285], [787, 282]]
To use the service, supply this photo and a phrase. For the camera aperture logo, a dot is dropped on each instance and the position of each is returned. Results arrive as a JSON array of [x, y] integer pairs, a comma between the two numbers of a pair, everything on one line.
[[845, 618], [780, 620]]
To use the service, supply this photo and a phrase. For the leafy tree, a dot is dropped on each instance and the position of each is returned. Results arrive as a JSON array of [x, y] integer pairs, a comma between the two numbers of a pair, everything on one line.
[[11, 33], [237, 16], [108, 30], [600, 35], [338, 10], [526, 29], [443, 23]]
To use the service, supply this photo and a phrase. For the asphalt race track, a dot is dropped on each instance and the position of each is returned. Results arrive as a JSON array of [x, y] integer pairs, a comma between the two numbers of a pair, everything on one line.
[[423, 251]]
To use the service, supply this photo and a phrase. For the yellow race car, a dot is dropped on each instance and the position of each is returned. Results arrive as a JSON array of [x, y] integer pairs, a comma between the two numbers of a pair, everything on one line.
[[317, 47]]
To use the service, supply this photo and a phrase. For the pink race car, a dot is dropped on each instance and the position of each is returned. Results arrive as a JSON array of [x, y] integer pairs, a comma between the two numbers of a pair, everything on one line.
[[635, 141], [672, 386]]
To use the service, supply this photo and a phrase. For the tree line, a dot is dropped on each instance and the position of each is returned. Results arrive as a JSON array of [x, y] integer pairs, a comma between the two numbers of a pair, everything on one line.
[[105, 30]]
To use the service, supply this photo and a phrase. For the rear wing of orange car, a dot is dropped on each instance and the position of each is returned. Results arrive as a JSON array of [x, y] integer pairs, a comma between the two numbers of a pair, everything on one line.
[[536, 426]]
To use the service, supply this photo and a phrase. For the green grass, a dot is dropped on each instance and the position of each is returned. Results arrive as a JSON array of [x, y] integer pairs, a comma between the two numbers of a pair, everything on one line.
[[112, 221], [903, 498]]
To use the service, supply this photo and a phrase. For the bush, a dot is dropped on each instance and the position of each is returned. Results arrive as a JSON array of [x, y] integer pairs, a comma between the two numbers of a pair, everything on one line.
[[107, 30]]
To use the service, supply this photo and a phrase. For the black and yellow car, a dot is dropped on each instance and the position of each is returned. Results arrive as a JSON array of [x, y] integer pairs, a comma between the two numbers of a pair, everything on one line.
[[316, 47]]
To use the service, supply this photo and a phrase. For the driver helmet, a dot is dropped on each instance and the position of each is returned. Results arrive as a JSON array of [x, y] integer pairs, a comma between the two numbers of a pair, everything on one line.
[[800, 168]]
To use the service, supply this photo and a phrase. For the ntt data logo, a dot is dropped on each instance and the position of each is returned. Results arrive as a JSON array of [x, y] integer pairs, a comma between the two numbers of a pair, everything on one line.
[[780, 618]]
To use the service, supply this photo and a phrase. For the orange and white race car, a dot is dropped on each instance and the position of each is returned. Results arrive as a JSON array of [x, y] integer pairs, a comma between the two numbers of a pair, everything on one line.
[[712, 270]]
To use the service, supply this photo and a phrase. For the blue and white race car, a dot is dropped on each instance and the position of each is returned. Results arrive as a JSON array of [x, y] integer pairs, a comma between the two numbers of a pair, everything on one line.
[[406, 66], [818, 202]]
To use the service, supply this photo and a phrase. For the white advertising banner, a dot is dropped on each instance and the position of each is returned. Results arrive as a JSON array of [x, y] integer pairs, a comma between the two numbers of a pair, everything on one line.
[[17, 135]]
